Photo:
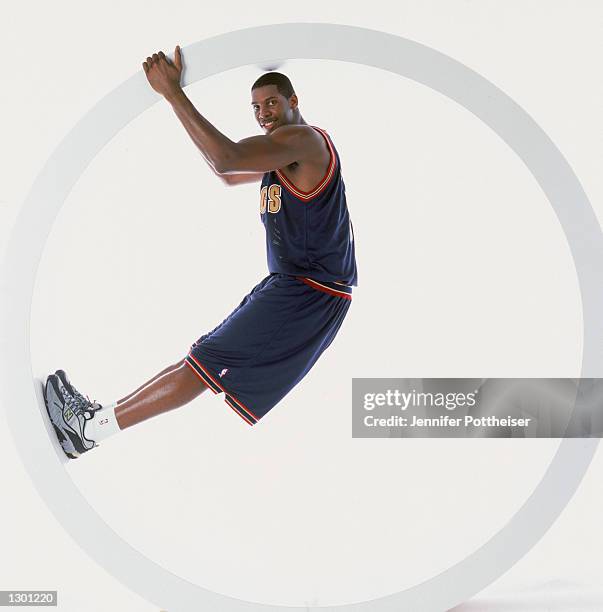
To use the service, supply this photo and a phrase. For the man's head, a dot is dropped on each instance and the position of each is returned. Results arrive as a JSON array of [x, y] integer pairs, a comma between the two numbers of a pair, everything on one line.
[[274, 101]]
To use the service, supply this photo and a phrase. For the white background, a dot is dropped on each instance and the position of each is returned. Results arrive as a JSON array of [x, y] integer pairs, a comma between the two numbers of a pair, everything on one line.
[[463, 271]]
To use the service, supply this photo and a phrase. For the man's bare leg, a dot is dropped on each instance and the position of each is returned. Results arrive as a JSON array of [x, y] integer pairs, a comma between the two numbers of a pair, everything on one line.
[[168, 369], [171, 388]]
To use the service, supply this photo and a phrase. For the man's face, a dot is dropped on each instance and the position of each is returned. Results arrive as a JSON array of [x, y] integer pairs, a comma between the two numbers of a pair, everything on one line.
[[271, 108]]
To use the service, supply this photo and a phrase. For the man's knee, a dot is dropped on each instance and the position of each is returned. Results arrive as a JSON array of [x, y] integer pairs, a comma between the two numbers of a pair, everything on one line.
[[183, 365]]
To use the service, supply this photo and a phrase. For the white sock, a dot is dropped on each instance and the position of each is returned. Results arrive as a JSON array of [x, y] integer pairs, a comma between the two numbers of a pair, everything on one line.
[[104, 423]]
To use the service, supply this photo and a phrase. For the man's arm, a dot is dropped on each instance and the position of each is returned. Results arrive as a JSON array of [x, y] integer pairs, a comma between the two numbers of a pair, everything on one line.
[[240, 178], [257, 154]]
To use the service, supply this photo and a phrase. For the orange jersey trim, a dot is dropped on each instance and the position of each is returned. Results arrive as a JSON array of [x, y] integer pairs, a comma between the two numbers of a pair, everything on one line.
[[321, 287], [308, 195]]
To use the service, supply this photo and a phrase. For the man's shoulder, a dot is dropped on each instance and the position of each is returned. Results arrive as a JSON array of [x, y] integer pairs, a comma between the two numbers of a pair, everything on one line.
[[297, 130]]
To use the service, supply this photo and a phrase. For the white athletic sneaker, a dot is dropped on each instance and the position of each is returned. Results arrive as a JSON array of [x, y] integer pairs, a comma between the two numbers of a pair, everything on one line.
[[68, 414]]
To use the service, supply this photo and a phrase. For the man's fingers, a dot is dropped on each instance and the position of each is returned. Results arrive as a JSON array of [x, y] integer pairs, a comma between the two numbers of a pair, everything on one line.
[[156, 57], [178, 58], [165, 58]]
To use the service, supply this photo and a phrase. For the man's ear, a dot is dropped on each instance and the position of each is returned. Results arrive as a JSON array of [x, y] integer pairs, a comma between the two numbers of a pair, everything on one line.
[[293, 101]]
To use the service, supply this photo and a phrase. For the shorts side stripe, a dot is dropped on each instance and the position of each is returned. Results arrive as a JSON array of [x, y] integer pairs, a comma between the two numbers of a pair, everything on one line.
[[197, 368], [211, 382], [228, 400], [242, 407]]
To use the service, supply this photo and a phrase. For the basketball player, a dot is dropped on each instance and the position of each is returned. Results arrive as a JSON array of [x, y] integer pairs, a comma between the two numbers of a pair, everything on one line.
[[281, 327]]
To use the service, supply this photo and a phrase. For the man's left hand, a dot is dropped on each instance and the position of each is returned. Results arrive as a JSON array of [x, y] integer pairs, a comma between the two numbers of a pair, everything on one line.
[[163, 74]]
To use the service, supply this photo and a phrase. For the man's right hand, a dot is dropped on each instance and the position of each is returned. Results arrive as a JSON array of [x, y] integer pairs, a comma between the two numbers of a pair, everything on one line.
[[163, 74]]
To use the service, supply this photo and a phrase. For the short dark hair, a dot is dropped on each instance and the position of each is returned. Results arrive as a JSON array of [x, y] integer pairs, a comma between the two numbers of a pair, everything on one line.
[[282, 82]]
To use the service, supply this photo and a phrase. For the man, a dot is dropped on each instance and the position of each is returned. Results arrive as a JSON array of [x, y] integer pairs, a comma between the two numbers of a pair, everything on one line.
[[279, 330]]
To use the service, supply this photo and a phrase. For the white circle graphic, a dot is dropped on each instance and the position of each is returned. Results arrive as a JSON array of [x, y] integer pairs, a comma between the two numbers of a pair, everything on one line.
[[269, 45]]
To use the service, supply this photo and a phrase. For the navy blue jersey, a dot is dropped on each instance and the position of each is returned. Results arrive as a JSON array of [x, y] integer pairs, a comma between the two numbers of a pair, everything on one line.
[[309, 233]]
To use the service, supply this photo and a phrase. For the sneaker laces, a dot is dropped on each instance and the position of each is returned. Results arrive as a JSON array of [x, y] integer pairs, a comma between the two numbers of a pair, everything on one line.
[[80, 404]]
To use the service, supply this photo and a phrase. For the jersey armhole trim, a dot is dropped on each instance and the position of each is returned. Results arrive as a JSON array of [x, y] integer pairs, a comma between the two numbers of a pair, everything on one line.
[[308, 195]]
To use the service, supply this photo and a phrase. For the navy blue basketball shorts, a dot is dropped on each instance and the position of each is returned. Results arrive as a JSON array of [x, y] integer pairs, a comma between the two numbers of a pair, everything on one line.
[[270, 341]]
